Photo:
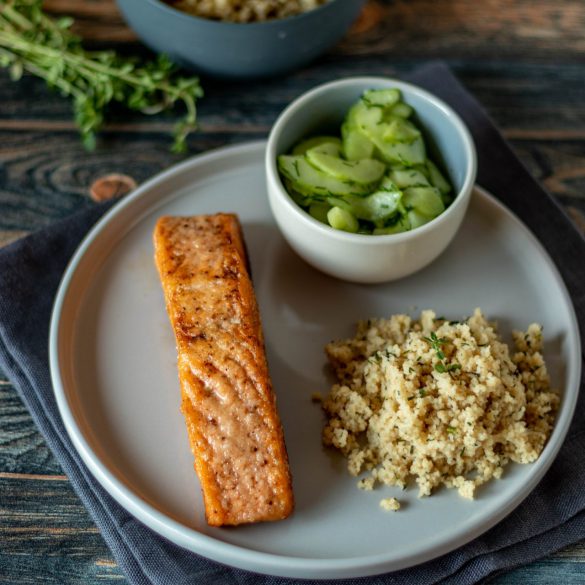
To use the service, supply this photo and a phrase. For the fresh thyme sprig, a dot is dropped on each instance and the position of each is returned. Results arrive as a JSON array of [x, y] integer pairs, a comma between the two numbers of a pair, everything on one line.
[[32, 41], [436, 344]]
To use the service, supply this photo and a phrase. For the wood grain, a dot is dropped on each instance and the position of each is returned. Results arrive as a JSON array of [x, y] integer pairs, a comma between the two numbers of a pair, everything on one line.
[[492, 28], [47, 536], [523, 60], [22, 449], [95, 20]]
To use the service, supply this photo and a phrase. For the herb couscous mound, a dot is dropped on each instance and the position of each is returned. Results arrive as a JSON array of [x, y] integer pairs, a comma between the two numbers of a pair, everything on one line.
[[439, 401]]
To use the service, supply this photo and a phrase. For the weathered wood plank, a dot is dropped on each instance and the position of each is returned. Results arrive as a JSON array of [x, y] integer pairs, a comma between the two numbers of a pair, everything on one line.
[[47, 535], [9, 236], [548, 572], [46, 175], [22, 448], [55, 570], [491, 29], [559, 165], [47, 510], [521, 97], [95, 20]]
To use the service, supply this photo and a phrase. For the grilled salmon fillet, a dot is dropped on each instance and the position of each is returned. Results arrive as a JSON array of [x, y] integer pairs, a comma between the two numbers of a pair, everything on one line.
[[227, 397]]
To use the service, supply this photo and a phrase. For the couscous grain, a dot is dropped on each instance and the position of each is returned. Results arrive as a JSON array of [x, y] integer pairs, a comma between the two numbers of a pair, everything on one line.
[[390, 504]]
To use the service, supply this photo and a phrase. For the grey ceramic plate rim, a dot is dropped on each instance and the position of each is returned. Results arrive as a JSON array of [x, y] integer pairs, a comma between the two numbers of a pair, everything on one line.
[[121, 218]]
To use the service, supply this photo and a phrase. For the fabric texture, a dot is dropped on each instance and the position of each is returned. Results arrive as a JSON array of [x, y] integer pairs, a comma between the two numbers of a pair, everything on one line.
[[31, 269]]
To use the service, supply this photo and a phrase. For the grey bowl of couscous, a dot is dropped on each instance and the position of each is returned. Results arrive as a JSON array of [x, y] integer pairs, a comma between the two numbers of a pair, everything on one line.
[[240, 39]]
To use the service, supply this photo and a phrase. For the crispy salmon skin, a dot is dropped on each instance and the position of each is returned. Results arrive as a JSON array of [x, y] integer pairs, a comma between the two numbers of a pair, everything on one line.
[[227, 397]]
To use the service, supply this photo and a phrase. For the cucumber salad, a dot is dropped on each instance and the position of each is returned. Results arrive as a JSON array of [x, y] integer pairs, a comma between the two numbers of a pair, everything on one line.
[[375, 179]]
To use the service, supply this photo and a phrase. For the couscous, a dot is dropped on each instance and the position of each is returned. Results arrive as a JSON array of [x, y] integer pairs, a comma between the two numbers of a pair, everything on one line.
[[390, 504], [245, 10], [441, 402]]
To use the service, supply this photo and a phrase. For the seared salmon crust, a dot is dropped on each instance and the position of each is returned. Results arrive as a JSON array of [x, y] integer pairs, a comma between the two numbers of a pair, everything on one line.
[[227, 397]]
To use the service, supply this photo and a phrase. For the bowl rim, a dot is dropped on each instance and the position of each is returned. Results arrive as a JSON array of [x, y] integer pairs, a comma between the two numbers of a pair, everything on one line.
[[271, 23], [273, 176]]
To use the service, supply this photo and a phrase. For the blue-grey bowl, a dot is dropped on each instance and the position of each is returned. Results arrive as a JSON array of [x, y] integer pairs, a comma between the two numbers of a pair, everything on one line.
[[239, 50]]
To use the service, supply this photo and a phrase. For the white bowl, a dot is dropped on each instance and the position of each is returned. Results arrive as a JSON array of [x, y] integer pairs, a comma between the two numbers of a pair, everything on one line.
[[358, 257]]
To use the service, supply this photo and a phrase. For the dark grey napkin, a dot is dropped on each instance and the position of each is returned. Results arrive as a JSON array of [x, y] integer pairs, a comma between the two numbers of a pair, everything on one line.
[[550, 518]]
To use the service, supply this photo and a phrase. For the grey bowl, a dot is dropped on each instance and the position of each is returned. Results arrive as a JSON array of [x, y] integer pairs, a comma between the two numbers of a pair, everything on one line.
[[234, 50]]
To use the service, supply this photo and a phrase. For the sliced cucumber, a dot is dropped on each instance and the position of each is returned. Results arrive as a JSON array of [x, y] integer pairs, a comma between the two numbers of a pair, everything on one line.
[[412, 177], [341, 219], [308, 180], [400, 130], [344, 202], [319, 211], [402, 153], [402, 225], [421, 168], [299, 198], [382, 98], [416, 219], [366, 171], [330, 144], [355, 144], [437, 178], [387, 184], [424, 200], [378, 207], [388, 137], [363, 117], [328, 148], [402, 110]]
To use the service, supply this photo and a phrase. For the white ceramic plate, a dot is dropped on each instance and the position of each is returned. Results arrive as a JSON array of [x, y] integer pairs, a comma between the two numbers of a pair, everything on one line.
[[113, 364]]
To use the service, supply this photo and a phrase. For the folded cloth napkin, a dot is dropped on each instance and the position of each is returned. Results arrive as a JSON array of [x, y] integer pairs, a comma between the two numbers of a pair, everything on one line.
[[550, 518]]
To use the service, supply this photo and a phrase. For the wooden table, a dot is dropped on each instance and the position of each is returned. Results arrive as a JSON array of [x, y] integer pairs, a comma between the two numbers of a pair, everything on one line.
[[523, 59]]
